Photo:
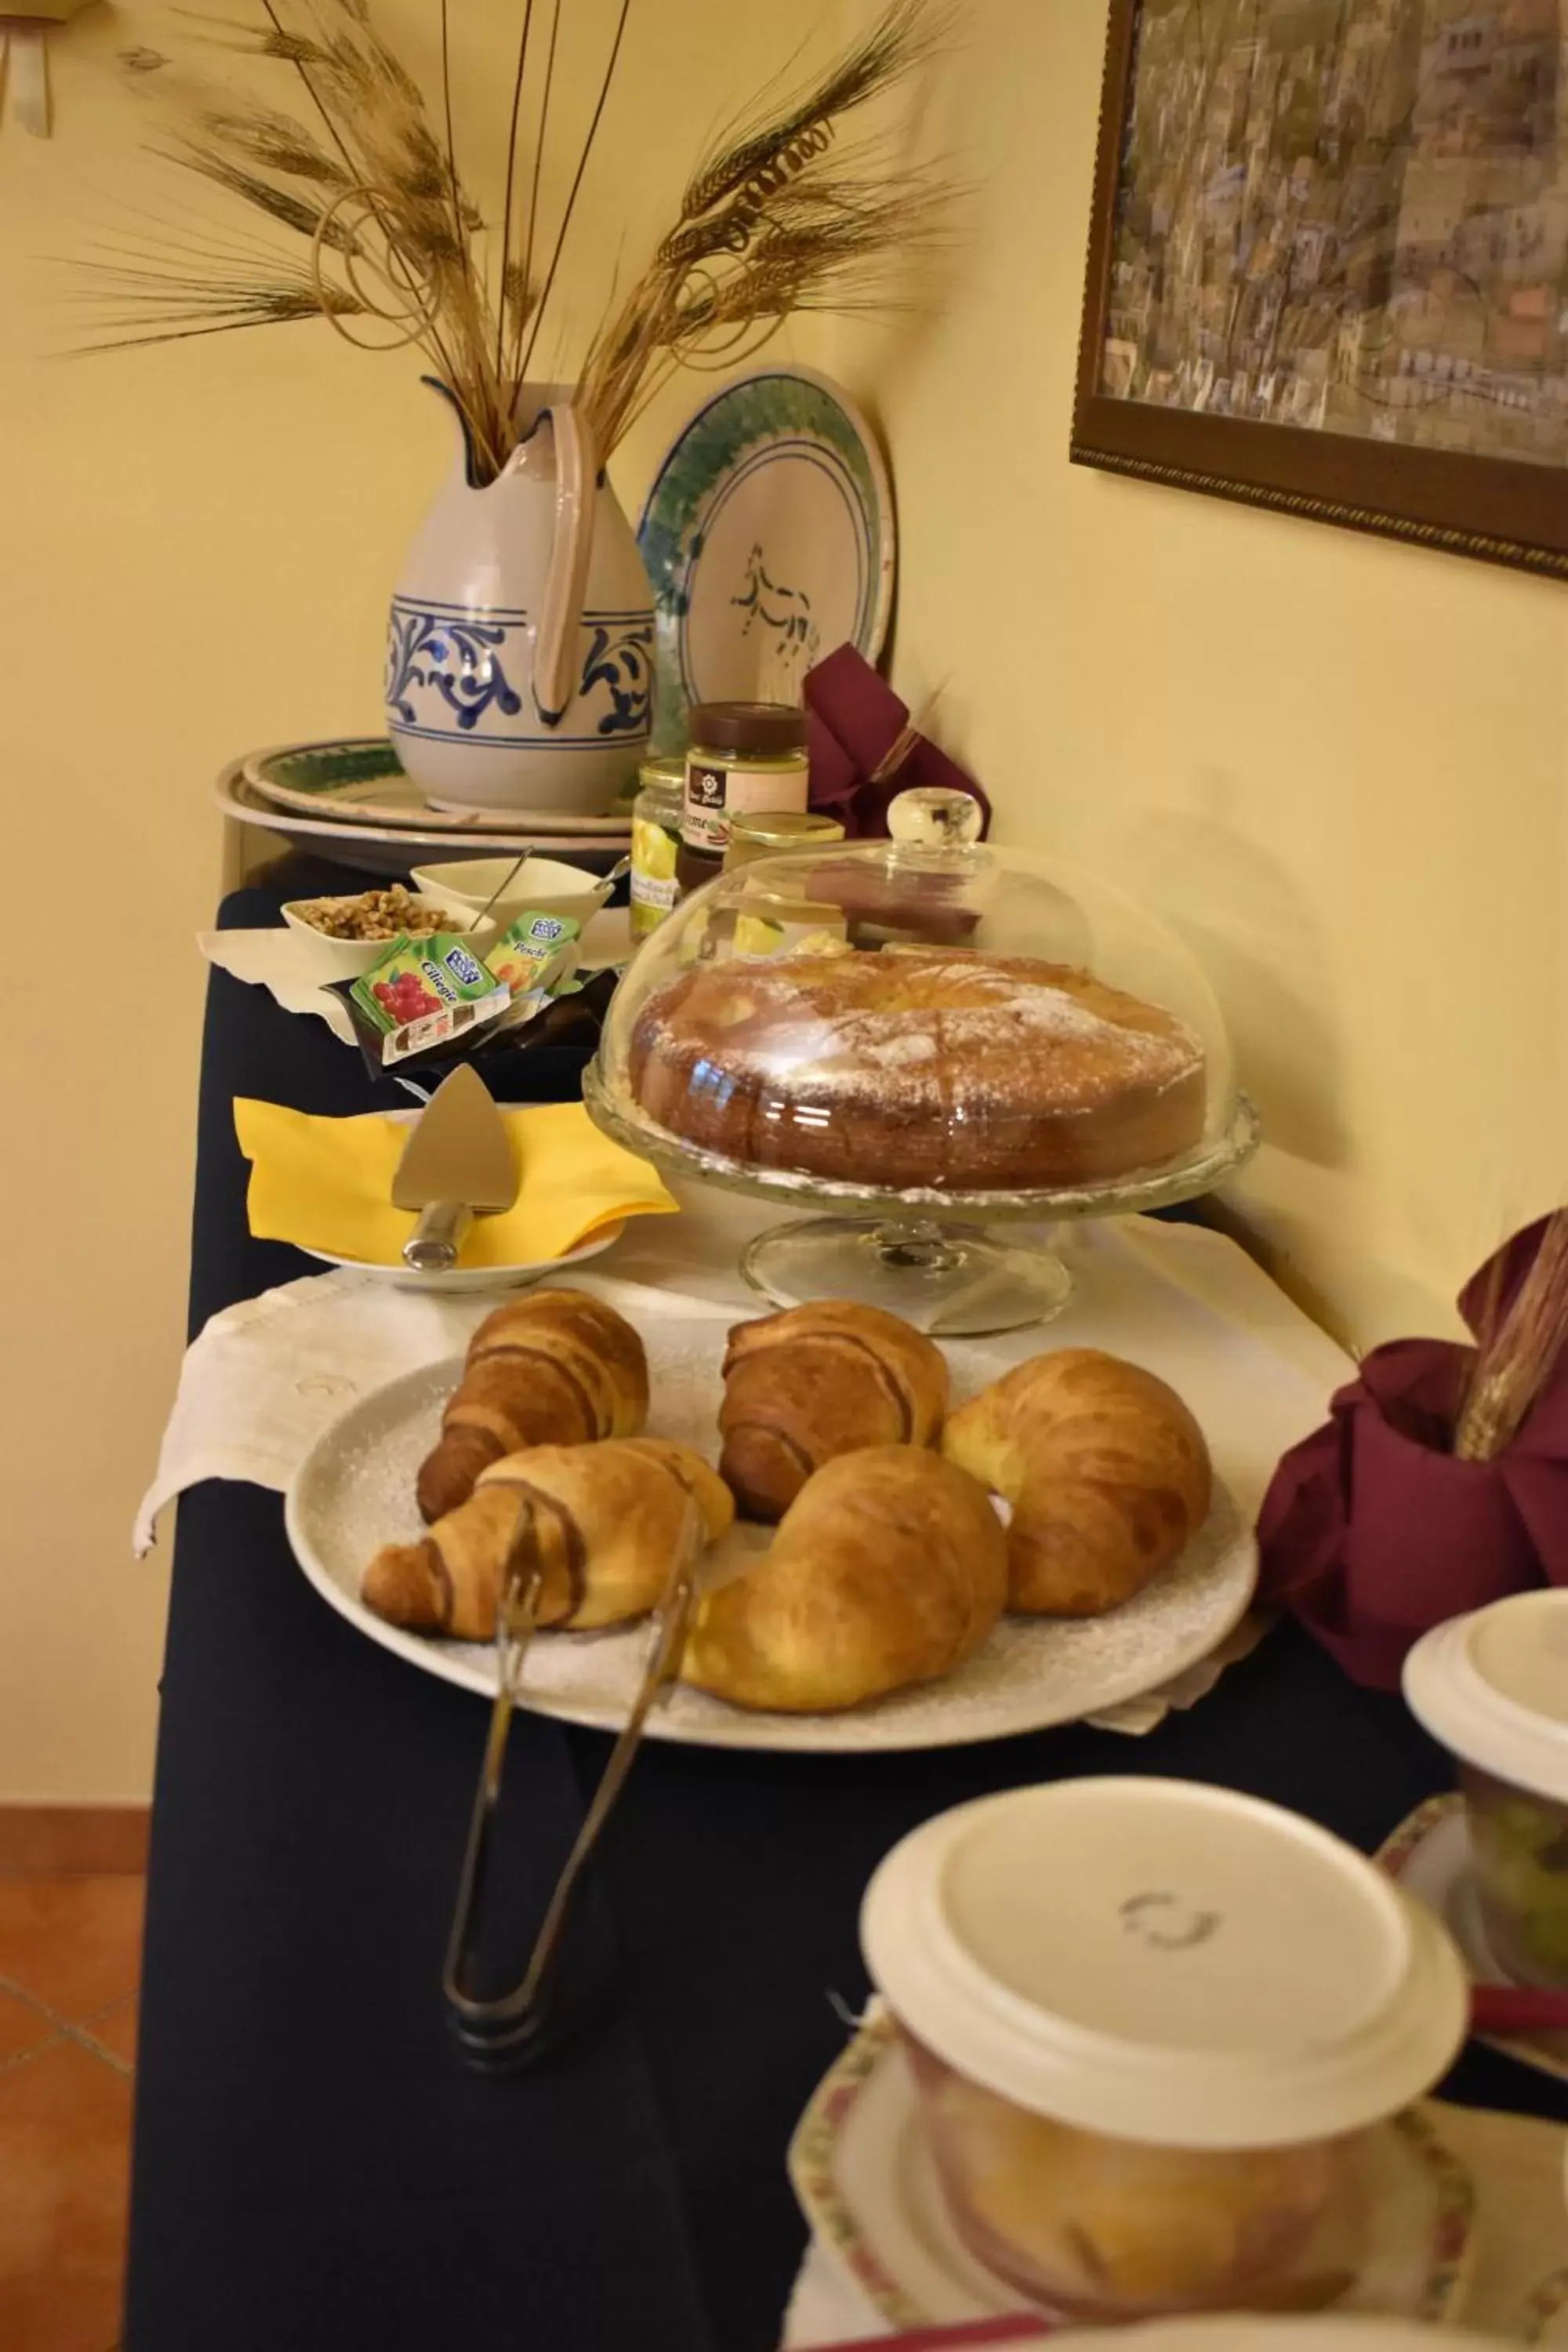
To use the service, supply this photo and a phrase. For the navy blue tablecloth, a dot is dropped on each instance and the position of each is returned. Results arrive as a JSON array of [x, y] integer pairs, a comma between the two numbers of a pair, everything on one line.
[[315, 2169]]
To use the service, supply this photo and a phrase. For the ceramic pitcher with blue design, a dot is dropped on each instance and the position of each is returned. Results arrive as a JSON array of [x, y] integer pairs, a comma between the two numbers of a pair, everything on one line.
[[519, 659]]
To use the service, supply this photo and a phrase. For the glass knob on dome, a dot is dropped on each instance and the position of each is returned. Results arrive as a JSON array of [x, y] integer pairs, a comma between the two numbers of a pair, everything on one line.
[[934, 816]]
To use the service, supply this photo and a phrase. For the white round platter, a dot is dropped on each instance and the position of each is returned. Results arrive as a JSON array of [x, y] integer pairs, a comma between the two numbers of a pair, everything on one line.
[[359, 780], [354, 1492], [863, 2176], [393, 850]]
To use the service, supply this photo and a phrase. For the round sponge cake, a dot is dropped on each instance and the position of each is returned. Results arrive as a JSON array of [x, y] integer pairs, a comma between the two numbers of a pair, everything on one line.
[[918, 1069]]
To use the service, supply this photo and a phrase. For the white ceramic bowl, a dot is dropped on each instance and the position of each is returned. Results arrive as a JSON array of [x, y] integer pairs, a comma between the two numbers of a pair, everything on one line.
[[540, 885], [346, 959]]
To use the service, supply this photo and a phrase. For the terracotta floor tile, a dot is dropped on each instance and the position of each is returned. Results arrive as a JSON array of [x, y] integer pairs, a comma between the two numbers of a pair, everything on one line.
[[116, 2029], [64, 2159], [22, 2027], [74, 1944]]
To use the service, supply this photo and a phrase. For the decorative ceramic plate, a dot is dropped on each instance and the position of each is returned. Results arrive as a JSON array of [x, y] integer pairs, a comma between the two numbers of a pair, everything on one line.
[[1429, 1854], [393, 850], [355, 1491], [862, 2173], [359, 780], [769, 539]]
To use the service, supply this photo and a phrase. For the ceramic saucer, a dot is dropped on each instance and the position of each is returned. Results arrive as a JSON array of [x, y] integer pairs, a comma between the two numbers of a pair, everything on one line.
[[466, 1279], [459, 1279], [769, 540], [864, 2179], [1429, 1854]]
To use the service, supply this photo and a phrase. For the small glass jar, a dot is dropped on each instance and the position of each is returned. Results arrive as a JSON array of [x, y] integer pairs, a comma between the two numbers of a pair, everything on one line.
[[1493, 1687], [746, 758], [656, 844], [763, 836], [1151, 2028], [1518, 1846], [1101, 2228]]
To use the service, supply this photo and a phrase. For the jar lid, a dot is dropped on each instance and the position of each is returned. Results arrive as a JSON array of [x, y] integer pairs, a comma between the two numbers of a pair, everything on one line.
[[1493, 1686], [663, 775], [1164, 1963], [786, 829], [765, 727]]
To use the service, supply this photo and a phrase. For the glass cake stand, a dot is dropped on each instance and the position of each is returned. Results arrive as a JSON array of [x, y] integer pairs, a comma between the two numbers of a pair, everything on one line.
[[929, 1254]]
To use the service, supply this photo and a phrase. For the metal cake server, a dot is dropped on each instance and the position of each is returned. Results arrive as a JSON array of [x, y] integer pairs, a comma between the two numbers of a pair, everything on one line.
[[457, 1164]]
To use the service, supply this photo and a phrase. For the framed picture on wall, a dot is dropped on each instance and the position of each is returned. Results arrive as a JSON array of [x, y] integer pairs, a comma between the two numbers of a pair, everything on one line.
[[1328, 265]]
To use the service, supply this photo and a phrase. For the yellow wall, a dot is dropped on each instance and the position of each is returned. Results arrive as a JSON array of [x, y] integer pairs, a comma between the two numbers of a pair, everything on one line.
[[196, 546], [1340, 765]]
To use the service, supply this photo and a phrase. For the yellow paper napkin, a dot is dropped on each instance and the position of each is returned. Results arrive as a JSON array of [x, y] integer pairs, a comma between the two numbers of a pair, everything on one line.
[[326, 1184]]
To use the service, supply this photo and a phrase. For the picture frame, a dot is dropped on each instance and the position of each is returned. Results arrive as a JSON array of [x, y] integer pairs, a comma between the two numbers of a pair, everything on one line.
[[1334, 281]]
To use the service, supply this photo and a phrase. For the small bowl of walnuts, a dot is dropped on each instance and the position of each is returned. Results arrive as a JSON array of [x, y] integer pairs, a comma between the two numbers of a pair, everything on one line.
[[355, 933]]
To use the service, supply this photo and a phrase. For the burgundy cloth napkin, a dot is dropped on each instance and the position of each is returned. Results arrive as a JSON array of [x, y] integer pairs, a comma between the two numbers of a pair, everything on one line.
[[1371, 1532], [853, 720]]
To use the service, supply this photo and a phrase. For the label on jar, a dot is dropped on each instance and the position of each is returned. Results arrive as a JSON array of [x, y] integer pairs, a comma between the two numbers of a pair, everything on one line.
[[654, 886], [652, 902], [717, 792]]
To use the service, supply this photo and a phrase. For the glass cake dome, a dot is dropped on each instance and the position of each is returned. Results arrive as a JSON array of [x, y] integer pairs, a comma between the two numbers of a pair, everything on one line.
[[933, 1031]]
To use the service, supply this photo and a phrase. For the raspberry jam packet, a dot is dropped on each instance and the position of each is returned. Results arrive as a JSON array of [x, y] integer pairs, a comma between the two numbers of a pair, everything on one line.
[[422, 993]]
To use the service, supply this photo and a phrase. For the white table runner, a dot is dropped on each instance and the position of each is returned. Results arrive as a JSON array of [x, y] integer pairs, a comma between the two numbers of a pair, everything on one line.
[[265, 1378]]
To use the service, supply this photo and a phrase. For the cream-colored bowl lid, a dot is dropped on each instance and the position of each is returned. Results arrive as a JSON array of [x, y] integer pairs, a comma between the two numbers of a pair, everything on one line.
[[1493, 1687], [1165, 1962]]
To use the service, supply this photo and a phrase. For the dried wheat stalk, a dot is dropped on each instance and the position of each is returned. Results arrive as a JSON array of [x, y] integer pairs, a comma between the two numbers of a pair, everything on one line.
[[1517, 1352], [782, 216]]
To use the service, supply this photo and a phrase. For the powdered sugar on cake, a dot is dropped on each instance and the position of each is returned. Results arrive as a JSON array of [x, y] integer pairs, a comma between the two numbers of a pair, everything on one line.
[[908, 1037]]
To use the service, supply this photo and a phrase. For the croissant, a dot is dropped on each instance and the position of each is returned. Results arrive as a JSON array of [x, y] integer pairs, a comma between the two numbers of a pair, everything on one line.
[[815, 1381], [890, 1567], [1105, 1469], [554, 1368], [605, 1523]]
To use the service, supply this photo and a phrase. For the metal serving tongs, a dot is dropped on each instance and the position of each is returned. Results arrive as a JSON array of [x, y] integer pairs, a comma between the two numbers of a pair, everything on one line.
[[508, 2030]]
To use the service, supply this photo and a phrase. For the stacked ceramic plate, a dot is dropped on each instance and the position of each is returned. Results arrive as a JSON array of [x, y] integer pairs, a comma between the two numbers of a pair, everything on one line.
[[349, 802]]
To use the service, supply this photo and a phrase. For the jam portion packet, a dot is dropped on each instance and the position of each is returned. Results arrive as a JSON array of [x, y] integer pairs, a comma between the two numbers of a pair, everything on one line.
[[535, 951], [536, 959], [421, 996], [429, 998]]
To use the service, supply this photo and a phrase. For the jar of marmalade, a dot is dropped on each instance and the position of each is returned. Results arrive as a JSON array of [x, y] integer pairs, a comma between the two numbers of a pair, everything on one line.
[[747, 759], [656, 844]]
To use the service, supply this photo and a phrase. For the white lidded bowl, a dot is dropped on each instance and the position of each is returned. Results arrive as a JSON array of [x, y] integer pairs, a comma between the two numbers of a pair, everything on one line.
[[1492, 1686], [543, 886], [1148, 2021], [346, 959]]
